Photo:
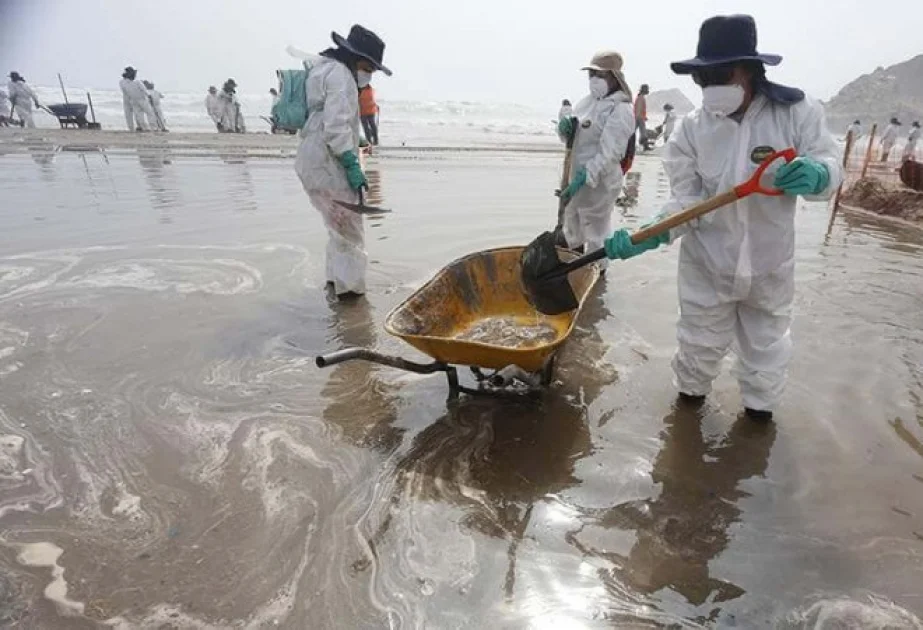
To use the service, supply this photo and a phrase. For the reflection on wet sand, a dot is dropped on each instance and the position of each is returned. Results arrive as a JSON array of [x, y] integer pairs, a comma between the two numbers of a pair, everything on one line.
[[156, 164], [360, 404], [170, 454], [684, 528], [482, 469]]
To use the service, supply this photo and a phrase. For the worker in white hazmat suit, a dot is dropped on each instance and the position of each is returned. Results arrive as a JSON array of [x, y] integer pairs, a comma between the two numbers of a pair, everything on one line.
[[232, 118], [22, 98], [328, 157], [856, 130], [669, 122], [888, 138], [135, 101], [736, 265], [910, 149], [213, 106], [604, 126], [5, 109], [155, 96]]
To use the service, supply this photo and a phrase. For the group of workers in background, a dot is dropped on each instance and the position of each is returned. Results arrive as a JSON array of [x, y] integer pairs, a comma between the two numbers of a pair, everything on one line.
[[736, 266], [224, 108], [889, 138], [141, 102]]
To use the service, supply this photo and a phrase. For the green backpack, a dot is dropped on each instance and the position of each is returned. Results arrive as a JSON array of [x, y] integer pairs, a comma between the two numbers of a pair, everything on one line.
[[290, 113]]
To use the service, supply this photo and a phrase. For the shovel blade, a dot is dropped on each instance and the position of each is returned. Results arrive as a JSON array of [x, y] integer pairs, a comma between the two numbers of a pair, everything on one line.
[[549, 295], [360, 208]]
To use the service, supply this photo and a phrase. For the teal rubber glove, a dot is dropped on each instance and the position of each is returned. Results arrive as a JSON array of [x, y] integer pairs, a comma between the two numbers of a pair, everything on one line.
[[620, 245], [354, 174], [566, 127], [802, 176], [578, 182]]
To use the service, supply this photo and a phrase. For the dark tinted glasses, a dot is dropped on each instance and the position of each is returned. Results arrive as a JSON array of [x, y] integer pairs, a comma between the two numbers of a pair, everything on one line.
[[714, 75]]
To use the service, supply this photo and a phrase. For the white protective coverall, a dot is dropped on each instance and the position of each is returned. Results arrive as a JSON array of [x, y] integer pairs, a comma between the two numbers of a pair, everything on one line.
[[856, 131], [22, 97], [136, 104], [4, 104], [887, 140], [232, 119], [213, 107], [158, 121], [736, 265], [910, 148], [333, 129], [669, 123], [604, 128]]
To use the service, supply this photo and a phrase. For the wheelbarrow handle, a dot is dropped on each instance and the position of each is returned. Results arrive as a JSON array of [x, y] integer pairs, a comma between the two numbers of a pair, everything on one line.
[[364, 354]]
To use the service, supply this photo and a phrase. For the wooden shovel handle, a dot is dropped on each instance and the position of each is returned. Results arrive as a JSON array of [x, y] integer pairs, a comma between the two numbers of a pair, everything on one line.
[[740, 191], [656, 229]]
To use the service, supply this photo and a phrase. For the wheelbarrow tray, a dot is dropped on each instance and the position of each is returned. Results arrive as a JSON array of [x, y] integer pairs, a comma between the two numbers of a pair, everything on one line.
[[481, 286], [69, 110]]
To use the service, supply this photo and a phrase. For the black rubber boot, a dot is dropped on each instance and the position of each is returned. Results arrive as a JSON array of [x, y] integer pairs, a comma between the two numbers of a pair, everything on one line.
[[760, 415]]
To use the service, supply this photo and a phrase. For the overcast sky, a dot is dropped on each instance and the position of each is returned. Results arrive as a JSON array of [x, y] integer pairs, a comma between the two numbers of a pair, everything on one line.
[[525, 51]]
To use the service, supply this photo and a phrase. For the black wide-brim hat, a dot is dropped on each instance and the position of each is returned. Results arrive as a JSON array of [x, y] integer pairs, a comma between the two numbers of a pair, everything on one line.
[[725, 39], [365, 43]]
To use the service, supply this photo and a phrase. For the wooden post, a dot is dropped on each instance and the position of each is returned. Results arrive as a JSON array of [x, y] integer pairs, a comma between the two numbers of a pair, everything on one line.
[[90, 101], [61, 82], [846, 152], [868, 152]]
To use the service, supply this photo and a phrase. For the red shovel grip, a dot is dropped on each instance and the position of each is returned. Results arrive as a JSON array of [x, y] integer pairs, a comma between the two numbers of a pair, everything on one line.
[[753, 185]]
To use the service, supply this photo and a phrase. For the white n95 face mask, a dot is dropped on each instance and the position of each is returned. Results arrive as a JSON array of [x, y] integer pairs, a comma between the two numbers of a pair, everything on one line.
[[722, 100], [363, 78], [598, 87]]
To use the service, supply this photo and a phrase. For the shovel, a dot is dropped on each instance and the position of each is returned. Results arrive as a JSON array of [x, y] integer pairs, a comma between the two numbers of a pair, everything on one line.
[[361, 208], [565, 180], [544, 276]]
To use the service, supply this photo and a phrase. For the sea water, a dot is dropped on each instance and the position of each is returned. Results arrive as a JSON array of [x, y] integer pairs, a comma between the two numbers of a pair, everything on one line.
[[410, 123]]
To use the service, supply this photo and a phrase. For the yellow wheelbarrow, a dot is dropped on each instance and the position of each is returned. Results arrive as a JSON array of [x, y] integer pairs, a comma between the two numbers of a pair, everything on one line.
[[473, 313]]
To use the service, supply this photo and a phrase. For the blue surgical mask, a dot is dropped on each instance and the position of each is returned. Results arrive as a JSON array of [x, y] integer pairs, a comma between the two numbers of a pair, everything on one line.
[[363, 78]]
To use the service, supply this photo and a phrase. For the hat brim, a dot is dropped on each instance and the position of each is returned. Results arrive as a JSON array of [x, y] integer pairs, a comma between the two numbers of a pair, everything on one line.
[[341, 41], [618, 76], [697, 63]]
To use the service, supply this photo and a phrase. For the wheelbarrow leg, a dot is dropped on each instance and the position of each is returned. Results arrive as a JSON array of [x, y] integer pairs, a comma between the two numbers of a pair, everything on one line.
[[451, 375], [548, 371]]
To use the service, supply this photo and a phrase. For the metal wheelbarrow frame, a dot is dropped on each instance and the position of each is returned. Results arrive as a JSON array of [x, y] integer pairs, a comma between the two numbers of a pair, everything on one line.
[[481, 285]]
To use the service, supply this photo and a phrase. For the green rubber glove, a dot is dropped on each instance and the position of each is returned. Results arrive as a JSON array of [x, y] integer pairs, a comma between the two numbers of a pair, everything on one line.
[[620, 245], [802, 176], [578, 182], [354, 174], [566, 127]]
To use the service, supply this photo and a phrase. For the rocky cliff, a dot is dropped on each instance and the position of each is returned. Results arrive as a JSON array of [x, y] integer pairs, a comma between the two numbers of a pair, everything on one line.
[[893, 91]]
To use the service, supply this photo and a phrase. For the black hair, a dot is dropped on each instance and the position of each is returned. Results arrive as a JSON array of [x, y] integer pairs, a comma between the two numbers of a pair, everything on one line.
[[565, 102]]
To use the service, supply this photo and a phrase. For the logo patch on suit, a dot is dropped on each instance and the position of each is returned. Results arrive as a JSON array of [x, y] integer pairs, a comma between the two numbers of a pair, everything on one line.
[[586, 124], [760, 153]]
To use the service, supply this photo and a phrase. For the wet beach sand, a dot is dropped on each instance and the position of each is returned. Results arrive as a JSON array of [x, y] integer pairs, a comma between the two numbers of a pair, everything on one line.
[[170, 456]]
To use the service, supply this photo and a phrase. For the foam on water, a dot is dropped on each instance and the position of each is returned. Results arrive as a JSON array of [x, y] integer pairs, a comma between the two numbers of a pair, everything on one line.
[[46, 554], [843, 613]]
